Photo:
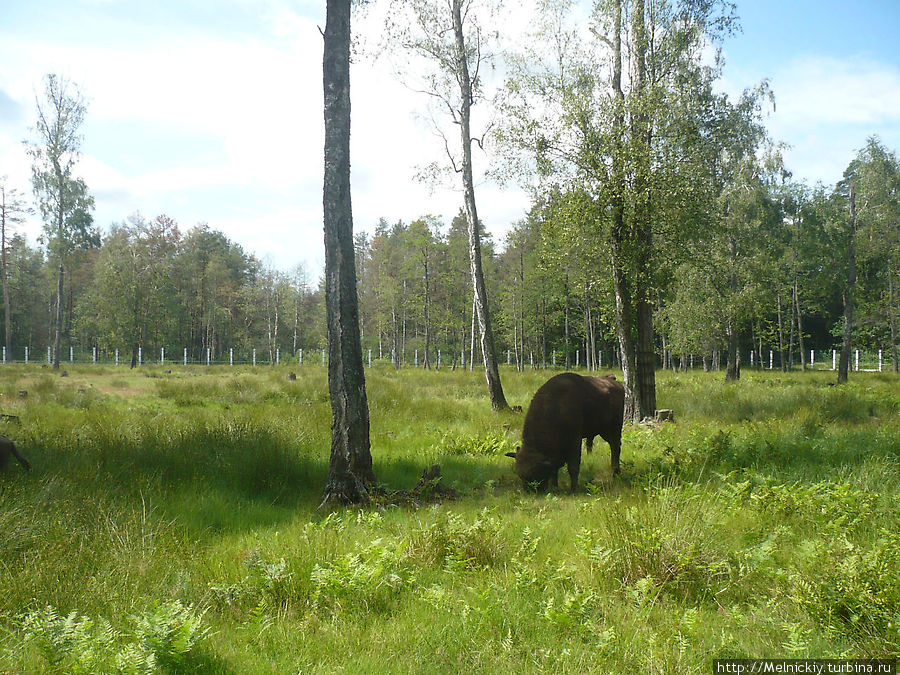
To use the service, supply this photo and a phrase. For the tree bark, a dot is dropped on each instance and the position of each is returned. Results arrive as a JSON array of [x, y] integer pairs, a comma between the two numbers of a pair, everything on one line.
[[645, 371], [6, 305], [491, 370], [781, 336], [892, 319], [799, 326], [350, 473], [57, 338], [849, 288], [617, 237]]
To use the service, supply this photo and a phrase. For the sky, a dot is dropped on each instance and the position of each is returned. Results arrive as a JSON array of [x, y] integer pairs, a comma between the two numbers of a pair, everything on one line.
[[210, 111]]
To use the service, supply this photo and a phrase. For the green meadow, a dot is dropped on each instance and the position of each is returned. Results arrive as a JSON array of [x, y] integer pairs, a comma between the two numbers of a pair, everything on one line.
[[171, 523]]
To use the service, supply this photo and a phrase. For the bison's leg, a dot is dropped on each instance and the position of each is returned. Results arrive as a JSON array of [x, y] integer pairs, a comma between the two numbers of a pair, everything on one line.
[[615, 449], [554, 479], [574, 464]]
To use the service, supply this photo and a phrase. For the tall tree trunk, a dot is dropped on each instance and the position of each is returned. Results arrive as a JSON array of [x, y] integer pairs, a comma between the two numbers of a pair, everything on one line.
[[646, 355], [57, 338], [566, 333], [491, 370], [350, 472], [892, 320], [618, 234], [781, 335], [733, 364], [7, 338], [427, 363], [799, 326], [849, 289]]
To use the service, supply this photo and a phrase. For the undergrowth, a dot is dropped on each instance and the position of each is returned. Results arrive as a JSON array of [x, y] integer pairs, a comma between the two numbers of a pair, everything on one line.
[[170, 523]]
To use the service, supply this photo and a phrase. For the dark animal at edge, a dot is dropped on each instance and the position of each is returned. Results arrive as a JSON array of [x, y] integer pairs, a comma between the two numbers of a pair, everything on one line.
[[567, 408], [7, 448]]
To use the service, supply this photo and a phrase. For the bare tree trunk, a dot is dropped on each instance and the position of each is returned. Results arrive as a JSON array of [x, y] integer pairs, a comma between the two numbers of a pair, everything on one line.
[[733, 364], [617, 238], [781, 335], [6, 306], [799, 326], [645, 371], [426, 363], [491, 370], [849, 288], [892, 319], [350, 473], [568, 362], [57, 338]]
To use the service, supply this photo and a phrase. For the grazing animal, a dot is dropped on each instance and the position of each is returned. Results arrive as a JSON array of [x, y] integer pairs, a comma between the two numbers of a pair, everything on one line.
[[567, 408], [7, 448]]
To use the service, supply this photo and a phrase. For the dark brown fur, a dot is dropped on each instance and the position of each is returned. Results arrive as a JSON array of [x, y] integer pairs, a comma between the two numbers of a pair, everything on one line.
[[567, 408], [7, 448]]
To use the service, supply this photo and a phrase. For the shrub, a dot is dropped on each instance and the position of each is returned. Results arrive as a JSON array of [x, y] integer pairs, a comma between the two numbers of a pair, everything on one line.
[[368, 579], [161, 640], [453, 542]]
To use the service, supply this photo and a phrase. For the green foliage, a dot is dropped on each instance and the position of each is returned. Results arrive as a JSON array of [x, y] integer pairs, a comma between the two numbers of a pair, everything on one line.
[[853, 590], [457, 544], [367, 580], [495, 444], [161, 640], [761, 522]]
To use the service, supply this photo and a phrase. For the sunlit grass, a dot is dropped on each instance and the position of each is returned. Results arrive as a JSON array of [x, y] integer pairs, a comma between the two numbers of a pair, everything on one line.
[[184, 504]]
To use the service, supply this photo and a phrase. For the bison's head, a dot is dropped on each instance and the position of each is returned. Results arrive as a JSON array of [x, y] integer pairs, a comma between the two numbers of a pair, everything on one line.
[[534, 471]]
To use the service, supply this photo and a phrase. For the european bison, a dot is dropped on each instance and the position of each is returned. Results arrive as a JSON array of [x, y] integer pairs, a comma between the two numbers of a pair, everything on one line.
[[567, 408]]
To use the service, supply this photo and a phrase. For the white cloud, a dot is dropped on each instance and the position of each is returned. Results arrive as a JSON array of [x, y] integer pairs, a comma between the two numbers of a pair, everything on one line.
[[258, 101]]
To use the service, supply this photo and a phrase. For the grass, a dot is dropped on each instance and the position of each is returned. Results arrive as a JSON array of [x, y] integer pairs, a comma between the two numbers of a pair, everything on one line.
[[170, 523]]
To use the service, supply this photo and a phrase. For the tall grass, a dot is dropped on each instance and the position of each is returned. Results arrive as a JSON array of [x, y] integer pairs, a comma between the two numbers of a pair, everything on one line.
[[170, 523]]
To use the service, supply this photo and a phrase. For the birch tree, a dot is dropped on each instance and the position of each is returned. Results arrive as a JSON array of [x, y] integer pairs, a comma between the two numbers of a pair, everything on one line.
[[452, 38], [62, 197]]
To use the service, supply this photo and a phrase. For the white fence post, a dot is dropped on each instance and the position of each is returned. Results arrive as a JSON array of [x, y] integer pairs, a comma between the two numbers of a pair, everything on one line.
[[231, 356], [439, 358], [370, 358], [117, 356], [577, 358], [185, 356], [94, 355], [140, 356], [208, 354], [49, 355], [416, 359], [26, 354], [162, 356], [300, 359], [254, 356], [71, 354], [812, 358], [856, 362], [4, 356], [507, 357], [323, 357], [834, 359], [880, 360], [277, 356]]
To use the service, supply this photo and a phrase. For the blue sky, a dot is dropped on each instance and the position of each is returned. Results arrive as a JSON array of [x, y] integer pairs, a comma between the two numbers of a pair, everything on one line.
[[210, 110]]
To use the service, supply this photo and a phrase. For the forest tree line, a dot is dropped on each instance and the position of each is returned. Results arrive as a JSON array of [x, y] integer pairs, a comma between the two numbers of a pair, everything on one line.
[[147, 284], [664, 224]]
